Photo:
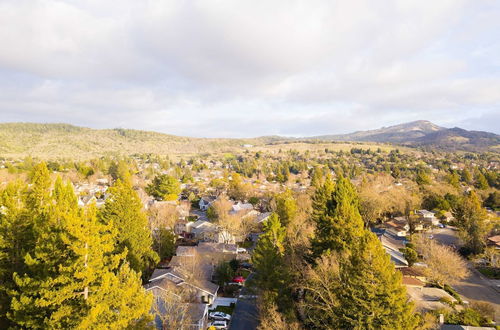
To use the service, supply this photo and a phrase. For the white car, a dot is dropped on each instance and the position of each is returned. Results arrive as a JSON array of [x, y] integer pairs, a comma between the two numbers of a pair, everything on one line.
[[241, 250], [219, 316], [218, 324]]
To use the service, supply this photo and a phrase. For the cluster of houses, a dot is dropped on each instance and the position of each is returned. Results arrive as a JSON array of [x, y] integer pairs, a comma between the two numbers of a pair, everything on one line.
[[203, 230], [393, 238], [92, 193], [187, 281]]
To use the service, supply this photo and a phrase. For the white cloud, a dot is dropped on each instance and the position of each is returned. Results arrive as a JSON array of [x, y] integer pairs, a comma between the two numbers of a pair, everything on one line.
[[247, 68]]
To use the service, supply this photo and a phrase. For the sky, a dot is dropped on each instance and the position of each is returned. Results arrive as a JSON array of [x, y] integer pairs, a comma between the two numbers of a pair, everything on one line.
[[237, 68]]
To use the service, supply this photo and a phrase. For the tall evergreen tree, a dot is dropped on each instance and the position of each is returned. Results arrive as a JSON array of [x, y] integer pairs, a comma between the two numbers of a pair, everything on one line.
[[338, 222], [123, 210], [286, 207], [16, 239], [364, 290], [267, 257], [73, 278], [322, 195], [359, 289], [371, 294]]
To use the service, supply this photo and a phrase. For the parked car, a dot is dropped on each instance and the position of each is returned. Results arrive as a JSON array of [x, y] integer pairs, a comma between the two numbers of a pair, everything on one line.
[[218, 324], [441, 225], [431, 236], [246, 265], [238, 279], [219, 316], [241, 250]]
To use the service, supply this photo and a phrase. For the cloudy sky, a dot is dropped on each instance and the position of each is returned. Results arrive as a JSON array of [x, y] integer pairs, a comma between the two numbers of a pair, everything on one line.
[[236, 68]]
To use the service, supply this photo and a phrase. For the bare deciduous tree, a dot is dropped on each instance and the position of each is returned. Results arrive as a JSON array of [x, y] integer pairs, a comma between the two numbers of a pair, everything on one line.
[[271, 319], [163, 215], [444, 265], [170, 310]]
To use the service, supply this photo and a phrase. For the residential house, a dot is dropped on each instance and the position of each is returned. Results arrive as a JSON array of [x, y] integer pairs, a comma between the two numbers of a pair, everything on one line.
[[392, 243], [238, 207], [193, 315], [428, 298], [262, 217], [181, 282], [494, 241], [206, 231], [205, 202], [428, 217], [398, 227]]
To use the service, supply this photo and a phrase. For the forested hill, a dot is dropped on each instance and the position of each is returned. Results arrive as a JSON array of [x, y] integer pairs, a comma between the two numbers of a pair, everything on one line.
[[68, 141], [49, 141]]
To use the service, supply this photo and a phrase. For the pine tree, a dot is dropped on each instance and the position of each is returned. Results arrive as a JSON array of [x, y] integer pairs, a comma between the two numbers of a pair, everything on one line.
[[16, 239], [481, 182], [73, 277], [322, 195], [267, 257], [286, 207], [338, 222], [123, 209], [371, 294], [353, 284]]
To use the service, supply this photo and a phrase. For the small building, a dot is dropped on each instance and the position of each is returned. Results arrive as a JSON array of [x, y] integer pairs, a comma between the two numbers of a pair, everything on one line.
[[205, 202]]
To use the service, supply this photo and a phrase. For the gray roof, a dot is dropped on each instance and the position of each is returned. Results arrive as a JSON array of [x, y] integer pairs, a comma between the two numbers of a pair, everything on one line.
[[196, 312]]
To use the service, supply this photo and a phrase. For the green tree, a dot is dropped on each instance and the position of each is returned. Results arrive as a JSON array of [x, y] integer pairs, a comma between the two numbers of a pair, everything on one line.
[[422, 178], [471, 217], [481, 182], [224, 273], [123, 209], [322, 195], [16, 239], [338, 221], [352, 284], [120, 170], [164, 187], [454, 179], [466, 176], [410, 255], [286, 207], [268, 256], [72, 278], [164, 242]]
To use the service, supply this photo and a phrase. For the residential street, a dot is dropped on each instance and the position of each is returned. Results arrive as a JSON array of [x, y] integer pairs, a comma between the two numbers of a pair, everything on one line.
[[476, 286], [245, 316]]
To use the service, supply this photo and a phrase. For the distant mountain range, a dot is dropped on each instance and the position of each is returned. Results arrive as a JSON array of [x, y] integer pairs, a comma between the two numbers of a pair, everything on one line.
[[423, 133], [73, 142]]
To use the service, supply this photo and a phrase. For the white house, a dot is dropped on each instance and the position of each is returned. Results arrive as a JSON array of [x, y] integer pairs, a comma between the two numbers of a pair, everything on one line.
[[205, 203]]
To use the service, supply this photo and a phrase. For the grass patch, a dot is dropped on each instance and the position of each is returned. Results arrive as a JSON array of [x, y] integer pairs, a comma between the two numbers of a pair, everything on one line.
[[225, 309], [490, 272]]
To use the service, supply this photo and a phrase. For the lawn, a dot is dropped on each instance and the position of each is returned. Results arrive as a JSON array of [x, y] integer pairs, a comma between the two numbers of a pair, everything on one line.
[[490, 272], [225, 309]]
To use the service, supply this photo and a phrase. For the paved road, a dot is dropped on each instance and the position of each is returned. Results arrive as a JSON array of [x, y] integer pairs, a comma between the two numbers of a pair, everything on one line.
[[245, 315], [476, 286], [446, 236]]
